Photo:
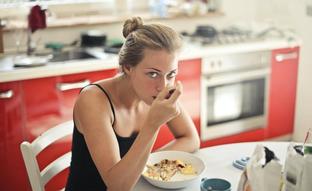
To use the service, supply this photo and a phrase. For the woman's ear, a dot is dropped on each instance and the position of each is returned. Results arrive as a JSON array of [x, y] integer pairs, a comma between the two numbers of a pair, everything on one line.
[[126, 69]]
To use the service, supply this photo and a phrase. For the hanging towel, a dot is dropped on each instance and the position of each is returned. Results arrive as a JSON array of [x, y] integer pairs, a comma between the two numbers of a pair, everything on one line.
[[36, 18]]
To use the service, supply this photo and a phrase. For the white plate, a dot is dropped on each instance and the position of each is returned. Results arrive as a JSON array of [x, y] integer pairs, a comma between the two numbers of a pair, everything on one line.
[[30, 61], [178, 180]]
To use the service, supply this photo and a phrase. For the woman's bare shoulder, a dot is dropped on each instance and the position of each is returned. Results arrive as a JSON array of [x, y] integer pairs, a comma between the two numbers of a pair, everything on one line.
[[92, 105], [91, 95], [94, 92]]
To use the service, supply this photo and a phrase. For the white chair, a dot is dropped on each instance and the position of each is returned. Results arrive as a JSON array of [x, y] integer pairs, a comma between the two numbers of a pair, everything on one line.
[[30, 150]]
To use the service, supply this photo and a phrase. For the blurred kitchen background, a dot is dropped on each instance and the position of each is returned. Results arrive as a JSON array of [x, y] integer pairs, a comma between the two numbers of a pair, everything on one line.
[[245, 66]]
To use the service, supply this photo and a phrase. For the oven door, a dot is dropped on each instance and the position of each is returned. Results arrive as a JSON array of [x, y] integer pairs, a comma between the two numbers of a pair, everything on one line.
[[234, 102]]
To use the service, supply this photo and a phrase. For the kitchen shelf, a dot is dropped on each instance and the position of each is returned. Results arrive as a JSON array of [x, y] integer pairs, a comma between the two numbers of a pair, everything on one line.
[[101, 19]]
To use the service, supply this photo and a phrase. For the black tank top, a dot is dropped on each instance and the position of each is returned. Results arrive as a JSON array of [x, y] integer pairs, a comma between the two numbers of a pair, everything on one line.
[[83, 174]]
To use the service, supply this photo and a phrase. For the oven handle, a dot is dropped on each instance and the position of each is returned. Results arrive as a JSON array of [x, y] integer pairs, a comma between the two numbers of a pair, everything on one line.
[[286, 56], [235, 77]]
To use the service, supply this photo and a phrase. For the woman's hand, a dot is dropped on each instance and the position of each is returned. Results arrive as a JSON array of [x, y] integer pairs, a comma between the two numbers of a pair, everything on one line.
[[165, 106]]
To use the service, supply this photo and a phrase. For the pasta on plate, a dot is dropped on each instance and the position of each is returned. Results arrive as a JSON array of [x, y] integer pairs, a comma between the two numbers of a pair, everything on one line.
[[166, 169]]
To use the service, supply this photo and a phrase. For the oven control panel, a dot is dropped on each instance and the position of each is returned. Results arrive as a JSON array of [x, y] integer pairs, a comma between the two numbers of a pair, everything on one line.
[[235, 62]]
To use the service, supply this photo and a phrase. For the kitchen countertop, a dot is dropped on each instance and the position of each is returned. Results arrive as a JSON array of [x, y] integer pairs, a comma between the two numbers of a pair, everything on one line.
[[190, 51], [218, 161]]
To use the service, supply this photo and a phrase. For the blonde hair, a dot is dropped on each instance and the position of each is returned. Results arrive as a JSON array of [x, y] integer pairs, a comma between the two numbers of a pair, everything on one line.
[[141, 36]]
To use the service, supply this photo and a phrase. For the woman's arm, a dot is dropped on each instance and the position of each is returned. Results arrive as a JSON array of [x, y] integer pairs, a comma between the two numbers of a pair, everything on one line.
[[94, 122], [185, 133]]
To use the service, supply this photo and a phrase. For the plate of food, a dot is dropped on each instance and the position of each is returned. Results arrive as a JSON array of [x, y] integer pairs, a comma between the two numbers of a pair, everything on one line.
[[173, 169]]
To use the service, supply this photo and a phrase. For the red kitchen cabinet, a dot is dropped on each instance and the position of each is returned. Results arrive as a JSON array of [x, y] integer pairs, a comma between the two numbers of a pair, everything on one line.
[[37, 105], [284, 71], [12, 121], [189, 75]]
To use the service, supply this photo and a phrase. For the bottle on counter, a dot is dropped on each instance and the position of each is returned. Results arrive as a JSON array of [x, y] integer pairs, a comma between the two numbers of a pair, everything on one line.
[[158, 8]]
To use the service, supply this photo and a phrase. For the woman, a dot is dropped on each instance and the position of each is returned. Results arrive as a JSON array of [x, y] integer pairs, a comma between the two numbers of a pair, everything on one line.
[[117, 120]]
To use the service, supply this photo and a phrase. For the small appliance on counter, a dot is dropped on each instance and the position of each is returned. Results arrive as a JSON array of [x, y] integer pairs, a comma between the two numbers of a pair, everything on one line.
[[93, 38]]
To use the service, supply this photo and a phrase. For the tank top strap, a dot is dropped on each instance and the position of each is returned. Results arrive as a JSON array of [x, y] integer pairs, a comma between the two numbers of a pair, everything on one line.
[[108, 97]]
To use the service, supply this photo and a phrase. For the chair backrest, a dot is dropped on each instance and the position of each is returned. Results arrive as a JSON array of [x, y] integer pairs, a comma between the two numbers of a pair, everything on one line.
[[37, 178]]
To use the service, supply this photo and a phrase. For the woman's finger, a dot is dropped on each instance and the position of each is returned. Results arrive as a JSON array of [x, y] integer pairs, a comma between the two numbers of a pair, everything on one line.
[[177, 92], [163, 93]]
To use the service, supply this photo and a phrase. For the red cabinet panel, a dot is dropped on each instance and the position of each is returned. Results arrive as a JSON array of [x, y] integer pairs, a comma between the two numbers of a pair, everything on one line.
[[42, 104], [283, 91], [12, 120], [189, 75]]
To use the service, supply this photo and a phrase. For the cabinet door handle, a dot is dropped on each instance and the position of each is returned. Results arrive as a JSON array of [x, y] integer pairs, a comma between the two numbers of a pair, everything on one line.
[[287, 56], [7, 94], [74, 85]]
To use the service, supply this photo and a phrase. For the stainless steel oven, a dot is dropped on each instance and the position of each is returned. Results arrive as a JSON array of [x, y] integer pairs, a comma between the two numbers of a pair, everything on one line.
[[234, 93]]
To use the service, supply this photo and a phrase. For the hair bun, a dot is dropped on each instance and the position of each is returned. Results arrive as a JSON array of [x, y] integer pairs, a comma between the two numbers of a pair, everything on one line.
[[131, 25]]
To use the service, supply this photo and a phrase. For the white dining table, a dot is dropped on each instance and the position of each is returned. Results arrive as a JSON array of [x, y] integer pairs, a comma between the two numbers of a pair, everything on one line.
[[218, 161]]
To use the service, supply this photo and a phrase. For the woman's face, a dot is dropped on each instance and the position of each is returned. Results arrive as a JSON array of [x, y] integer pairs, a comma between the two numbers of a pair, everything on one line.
[[157, 70]]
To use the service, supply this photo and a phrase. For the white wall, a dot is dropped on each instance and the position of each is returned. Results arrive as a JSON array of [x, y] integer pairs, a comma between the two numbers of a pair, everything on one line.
[[284, 13]]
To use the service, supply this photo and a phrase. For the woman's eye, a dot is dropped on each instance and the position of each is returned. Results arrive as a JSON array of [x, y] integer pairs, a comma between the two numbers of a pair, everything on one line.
[[152, 74], [171, 75]]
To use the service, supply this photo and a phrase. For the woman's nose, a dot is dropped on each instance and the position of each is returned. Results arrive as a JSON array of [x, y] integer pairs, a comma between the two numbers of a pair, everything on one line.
[[161, 84]]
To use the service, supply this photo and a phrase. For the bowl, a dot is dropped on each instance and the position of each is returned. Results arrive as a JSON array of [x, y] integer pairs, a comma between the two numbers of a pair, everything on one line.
[[178, 180]]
